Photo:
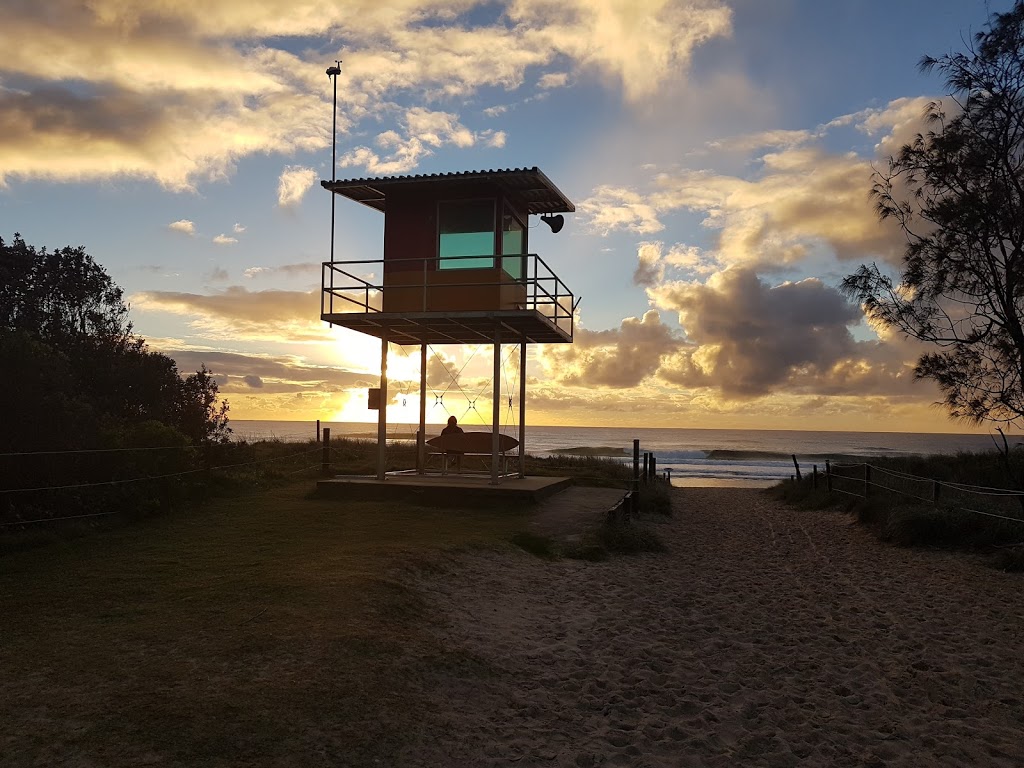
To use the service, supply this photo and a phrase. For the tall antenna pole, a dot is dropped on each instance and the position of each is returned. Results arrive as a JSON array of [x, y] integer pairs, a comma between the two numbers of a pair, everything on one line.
[[333, 72]]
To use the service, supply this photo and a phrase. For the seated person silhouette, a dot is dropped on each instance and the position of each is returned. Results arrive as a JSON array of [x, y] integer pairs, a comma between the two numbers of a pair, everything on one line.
[[453, 428]]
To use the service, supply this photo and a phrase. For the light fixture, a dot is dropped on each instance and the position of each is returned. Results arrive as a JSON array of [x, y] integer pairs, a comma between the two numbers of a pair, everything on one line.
[[555, 222]]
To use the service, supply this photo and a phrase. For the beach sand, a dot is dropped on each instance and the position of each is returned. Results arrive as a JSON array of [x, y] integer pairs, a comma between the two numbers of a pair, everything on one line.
[[765, 636]]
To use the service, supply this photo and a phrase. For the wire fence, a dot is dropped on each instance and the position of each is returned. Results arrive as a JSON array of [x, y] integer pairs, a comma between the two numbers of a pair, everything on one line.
[[52, 486], [865, 480]]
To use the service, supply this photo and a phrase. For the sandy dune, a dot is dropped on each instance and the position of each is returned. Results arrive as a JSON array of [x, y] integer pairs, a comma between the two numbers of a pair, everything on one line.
[[765, 636]]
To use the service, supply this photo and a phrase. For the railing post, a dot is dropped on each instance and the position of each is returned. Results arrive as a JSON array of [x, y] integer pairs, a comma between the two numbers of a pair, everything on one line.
[[318, 430], [867, 480], [647, 471], [325, 467], [828, 475], [654, 467], [795, 464]]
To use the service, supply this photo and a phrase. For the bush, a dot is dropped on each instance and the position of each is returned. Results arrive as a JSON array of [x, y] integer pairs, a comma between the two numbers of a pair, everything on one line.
[[628, 538], [656, 498]]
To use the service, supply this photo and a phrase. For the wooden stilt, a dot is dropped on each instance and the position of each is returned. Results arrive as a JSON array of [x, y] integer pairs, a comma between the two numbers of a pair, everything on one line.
[[522, 406], [496, 410], [421, 436], [382, 414]]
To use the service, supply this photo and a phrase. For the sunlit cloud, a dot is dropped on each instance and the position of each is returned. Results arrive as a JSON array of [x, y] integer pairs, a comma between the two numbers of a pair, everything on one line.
[[239, 313], [223, 239], [183, 225], [293, 183], [178, 93]]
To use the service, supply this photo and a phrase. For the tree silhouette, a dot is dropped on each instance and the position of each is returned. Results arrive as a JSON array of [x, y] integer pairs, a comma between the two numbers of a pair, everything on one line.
[[76, 369], [957, 192]]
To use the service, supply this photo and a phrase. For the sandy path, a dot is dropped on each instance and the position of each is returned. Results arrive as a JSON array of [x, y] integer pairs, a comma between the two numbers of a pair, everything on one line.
[[765, 636]]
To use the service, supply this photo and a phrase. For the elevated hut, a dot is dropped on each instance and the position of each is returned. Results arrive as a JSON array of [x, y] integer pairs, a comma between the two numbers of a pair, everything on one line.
[[456, 269]]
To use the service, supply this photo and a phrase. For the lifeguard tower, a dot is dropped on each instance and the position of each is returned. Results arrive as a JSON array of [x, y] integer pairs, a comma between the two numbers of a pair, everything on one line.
[[456, 269]]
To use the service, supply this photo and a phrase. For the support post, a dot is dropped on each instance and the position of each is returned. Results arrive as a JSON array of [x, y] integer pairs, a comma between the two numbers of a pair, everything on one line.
[[814, 477], [828, 475], [522, 406], [795, 464], [654, 467], [318, 430], [496, 409], [382, 414], [647, 466], [421, 435], [325, 466]]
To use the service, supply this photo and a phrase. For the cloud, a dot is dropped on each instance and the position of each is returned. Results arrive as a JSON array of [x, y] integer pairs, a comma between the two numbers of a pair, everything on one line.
[[178, 93], [617, 358], [612, 208], [292, 185], [424, 131], [238, 229], [653, 261], [553, 80], [639, 44], [747, 338], [241, 314], [307, 269], [183, 225], [253, 381], [223, 239], [798, 198]]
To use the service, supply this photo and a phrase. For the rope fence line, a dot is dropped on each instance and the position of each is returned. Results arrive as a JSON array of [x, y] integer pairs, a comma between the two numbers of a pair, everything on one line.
[[868, 480], [160, 477], [95, 450]]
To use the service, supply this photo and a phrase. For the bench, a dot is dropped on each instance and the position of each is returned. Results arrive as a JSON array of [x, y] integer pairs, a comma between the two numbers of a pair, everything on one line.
[[461, 444]]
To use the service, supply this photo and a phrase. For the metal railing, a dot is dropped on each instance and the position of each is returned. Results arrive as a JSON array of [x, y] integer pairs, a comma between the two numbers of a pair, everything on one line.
[[344, 290]]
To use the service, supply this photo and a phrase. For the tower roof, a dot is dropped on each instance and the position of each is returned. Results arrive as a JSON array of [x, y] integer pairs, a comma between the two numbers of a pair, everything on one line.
[[529, 186]]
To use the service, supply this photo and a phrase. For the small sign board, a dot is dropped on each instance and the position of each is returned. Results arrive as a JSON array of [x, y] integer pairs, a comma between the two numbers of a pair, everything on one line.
[[373, 399]]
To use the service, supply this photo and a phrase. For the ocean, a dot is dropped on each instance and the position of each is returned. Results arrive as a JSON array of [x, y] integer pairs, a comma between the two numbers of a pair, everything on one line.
[[694, 457]]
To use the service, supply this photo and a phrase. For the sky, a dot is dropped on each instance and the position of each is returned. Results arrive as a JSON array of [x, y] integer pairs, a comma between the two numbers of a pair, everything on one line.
[[719, 154]]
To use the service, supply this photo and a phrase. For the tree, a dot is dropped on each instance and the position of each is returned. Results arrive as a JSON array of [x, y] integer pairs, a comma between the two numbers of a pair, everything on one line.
[[957, 193], [80, 369]]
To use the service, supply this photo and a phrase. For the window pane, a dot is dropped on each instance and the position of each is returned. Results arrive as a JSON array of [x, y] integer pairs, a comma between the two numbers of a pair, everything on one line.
[[512, 243], [466, 229]]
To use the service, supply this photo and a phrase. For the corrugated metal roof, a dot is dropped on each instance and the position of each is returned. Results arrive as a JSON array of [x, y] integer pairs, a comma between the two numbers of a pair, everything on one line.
[[530, 186]]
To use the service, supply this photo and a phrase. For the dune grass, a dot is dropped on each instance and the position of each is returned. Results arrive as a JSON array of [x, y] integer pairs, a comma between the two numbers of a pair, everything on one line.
[[903, 520], [271, 628]]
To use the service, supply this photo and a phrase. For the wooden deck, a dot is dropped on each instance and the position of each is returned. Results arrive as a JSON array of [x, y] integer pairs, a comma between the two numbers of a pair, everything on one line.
[[448, 490]]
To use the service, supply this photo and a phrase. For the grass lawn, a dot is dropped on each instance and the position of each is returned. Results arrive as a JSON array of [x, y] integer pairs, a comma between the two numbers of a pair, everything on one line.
[[268, 629]]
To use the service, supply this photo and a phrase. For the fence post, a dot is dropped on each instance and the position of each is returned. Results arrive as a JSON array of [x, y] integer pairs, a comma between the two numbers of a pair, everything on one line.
[[318, 430], [325, 467], [814, 477], [798, 477], [935, 491], [634, 507], [828, 475], [647, 466], [867, 480], [654, 467]]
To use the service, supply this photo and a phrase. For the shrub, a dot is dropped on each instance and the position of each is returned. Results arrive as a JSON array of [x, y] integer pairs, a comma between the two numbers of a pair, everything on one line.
[[628, 538], [656, 498]]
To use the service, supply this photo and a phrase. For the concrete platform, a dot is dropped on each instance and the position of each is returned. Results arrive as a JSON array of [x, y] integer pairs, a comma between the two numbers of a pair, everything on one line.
[[447, 490]]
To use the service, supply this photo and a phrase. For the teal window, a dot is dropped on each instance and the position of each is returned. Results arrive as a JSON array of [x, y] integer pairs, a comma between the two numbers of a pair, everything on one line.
[[466, 229], [513, 246]]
